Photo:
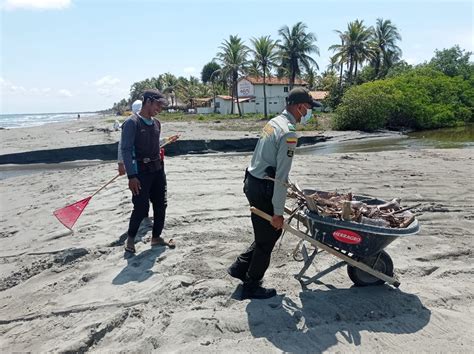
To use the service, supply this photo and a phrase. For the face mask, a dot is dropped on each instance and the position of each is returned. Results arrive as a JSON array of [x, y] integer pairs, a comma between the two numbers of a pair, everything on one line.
[[307, 116]]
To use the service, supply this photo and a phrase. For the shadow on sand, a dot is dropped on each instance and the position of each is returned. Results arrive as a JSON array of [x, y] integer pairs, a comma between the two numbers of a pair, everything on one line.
[[139, 266], [327, 317]]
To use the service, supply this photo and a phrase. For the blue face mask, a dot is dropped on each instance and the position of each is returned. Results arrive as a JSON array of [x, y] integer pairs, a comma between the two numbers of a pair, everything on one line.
[[307, 116]]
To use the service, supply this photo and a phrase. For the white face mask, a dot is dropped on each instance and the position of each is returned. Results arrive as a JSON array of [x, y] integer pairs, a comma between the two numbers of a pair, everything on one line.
[[307, 116]]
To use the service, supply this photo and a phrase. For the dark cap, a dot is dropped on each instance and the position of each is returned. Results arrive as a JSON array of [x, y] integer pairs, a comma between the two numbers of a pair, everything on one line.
[[301, 95], [156, 95]]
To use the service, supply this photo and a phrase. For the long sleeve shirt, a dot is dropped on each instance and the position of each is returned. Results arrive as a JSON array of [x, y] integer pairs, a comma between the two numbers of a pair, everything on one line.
[[276, 148], [140, 140]]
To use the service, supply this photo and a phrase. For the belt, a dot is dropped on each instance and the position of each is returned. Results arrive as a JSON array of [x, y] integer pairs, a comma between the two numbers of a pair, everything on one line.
[[146, 160]]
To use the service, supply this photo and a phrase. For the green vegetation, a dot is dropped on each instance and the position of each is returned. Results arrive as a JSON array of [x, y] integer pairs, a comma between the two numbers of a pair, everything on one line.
[[370, 87], [422, 98]]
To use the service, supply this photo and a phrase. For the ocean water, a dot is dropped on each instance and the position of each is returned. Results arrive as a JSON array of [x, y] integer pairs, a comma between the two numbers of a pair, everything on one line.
[[31, 120]]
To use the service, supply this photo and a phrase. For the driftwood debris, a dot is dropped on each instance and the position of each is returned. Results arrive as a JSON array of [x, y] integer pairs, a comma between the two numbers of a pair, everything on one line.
[[342, 206]]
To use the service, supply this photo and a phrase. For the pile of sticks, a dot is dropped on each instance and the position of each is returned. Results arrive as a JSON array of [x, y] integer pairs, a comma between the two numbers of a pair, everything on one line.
[[343, 207]]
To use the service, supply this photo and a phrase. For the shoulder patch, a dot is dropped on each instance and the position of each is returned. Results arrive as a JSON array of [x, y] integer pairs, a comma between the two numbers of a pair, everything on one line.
[[291, 140], [291, 127], [267, 130], [290, 153]]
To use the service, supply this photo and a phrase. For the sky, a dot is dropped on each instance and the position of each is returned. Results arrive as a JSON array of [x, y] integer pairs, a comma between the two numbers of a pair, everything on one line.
[[83, 55]]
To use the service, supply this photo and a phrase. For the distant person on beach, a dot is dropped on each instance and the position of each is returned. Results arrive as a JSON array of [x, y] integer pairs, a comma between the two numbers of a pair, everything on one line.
[[78, 116], [272, 158], [140, 146]]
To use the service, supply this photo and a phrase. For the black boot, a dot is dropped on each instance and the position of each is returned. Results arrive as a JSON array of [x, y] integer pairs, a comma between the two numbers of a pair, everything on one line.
[[234, 273], [254, 290]]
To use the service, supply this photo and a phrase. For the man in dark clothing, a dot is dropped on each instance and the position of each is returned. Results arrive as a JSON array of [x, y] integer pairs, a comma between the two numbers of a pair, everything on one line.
[[146, 177], [272, 157]]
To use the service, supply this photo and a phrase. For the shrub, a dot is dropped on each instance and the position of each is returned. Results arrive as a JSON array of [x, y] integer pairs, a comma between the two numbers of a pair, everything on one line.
[[364, 107], [419, 99]]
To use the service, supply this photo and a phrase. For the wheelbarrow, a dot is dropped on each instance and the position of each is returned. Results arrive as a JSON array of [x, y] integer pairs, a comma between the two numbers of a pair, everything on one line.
[[360, 246]]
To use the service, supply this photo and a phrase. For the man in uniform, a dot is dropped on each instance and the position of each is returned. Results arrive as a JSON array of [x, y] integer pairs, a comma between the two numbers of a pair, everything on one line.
[[140, 145], [272, 157]]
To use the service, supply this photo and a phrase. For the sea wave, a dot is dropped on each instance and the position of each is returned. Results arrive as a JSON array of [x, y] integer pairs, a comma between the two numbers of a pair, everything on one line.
[[32, 120]]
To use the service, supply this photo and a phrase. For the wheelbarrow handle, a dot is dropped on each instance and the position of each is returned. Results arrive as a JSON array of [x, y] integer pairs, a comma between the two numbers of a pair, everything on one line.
[[391, 280]]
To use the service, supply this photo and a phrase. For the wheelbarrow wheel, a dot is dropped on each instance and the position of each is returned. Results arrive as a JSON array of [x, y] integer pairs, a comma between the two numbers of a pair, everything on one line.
[[381, 262]]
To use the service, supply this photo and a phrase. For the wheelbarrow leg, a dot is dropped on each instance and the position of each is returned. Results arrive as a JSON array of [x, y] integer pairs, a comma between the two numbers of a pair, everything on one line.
[[323, 273], [390, 280], [308, 260]]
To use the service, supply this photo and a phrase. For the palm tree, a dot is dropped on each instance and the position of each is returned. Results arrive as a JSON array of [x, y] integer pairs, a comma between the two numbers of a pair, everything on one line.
[[295, 49], [265, 57], [233, 59], [188, 89], [137, 88], [355, 47], [387, 52], [169, 82], [312, 78], [339, 58]]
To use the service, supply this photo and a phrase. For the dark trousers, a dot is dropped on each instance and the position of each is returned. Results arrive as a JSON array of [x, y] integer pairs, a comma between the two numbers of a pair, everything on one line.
[[256, 259], [153, 188]]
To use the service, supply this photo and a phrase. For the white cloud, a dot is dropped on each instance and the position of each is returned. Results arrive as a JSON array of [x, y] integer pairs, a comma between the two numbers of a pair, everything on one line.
[[65, 93], [189, 70], [8, 87], [104, 91], [107, 81], [37, 4]]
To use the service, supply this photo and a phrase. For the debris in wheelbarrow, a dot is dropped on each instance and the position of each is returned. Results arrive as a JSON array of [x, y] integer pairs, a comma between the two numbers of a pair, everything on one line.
[[361, 209], [359, 245]]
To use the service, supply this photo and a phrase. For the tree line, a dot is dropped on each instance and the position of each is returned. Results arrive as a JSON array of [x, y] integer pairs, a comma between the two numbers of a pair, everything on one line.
[[364, 54], [291, 56]]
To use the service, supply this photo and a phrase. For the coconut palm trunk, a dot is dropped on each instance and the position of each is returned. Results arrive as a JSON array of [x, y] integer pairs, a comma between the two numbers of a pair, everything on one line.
[[265, 95]]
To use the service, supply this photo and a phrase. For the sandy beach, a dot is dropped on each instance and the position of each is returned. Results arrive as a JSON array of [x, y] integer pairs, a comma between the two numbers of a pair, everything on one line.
[[63, 291]]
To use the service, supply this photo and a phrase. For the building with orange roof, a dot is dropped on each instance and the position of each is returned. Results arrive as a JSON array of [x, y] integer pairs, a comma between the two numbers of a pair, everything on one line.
[[250, 91]]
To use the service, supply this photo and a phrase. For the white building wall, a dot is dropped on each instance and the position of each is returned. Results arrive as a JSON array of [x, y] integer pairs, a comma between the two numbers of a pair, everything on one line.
[[204, 110], [224, 105], [276, 96]]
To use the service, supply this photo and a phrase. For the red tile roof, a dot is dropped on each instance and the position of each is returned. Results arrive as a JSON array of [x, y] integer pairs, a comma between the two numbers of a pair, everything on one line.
[[319, 95]]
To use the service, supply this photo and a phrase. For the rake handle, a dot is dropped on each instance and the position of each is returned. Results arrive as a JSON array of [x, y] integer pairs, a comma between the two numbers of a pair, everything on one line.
[[105, 185]]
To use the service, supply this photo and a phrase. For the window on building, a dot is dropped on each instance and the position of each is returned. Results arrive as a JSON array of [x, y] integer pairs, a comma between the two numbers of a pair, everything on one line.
[[257, 103], [285, 89], [218, 105]]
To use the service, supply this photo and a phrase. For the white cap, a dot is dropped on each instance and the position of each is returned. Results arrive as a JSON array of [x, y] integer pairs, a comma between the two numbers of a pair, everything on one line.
[[136, 106]]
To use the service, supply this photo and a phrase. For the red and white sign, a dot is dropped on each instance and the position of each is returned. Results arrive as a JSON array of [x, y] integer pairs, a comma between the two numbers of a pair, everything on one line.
[[347, 236], [245, 88]]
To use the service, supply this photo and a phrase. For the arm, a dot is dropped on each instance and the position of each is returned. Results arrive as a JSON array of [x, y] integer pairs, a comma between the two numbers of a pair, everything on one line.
[[121, 166], [286, 150], [127, 147]]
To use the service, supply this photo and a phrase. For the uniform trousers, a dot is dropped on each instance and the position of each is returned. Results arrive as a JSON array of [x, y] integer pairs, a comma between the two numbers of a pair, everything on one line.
[[255, 260]]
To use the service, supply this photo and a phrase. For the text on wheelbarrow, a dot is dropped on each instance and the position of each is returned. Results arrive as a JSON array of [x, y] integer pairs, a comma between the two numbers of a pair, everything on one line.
[[347, 236]]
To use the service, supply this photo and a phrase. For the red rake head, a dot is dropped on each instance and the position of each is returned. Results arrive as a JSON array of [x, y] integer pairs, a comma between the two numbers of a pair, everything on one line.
[[70, 213]]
